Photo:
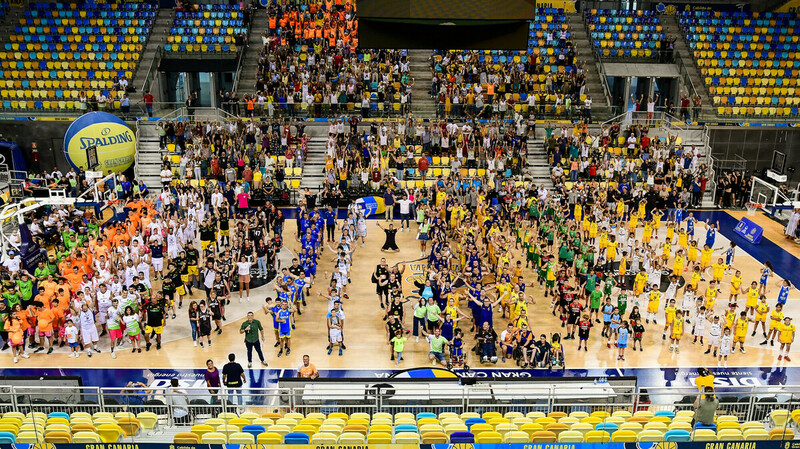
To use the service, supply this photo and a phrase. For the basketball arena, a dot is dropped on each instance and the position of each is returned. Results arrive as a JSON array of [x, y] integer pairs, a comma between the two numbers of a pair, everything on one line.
[[399, 224]]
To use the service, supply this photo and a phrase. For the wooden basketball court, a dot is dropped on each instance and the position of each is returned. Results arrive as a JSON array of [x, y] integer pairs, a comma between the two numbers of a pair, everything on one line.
[[364, 333]]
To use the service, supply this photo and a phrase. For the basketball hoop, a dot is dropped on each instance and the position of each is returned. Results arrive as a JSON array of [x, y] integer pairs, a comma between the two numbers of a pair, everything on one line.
[[752, 207]]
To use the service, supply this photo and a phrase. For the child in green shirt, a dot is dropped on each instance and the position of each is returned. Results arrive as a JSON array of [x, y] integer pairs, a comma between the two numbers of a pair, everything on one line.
[[398, 343]]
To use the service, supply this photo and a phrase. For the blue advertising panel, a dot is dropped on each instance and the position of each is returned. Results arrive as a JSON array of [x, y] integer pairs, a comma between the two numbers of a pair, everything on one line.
[[749, 230], [265, 378]]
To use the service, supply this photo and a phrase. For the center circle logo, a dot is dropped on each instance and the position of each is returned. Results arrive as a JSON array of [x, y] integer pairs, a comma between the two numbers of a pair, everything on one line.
[[105, 131]]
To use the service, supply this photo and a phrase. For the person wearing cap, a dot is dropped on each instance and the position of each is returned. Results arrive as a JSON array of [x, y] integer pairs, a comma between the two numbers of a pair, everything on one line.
[[704, 379], [12, 264], [705, 408], [787, 331]]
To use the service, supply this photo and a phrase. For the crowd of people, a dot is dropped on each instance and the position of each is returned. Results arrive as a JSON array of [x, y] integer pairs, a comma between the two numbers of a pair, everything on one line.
[[389, 154], [235, 150], [468, 84], [310, 64], [629, 163], [614, 235]]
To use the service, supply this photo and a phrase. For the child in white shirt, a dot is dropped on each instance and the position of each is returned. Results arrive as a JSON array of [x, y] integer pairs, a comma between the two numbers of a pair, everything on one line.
[[71, 333]]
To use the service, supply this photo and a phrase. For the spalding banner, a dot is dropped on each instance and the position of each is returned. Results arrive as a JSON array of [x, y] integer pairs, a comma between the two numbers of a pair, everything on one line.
[[115, 142]]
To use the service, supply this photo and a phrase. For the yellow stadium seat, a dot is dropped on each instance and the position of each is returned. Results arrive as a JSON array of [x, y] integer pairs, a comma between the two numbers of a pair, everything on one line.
[[351, 438], [729, 435], [544, 437], [214, 438], [781, 434], [488, 438], [58, 437], [570, 436], [597, 436], [269, 438], [186, 438], [85, 437], [704, 435], [379, 438], [756, 434], [623, 436], [324, 438], [649, 436], [779, 417]]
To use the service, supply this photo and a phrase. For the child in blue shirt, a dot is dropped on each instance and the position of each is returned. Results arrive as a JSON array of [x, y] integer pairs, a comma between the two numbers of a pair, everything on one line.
[[622, 340]]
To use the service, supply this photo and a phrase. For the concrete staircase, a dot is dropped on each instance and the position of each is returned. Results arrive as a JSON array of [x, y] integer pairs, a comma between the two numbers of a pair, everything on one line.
[[313, 168], [246, 85], [585, 54], [538, 162], [671, 26], [149, 155], [158, 37], [423, 105]]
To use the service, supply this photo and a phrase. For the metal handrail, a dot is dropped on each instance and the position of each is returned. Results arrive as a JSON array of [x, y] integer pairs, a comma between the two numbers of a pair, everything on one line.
[[242, 53], [136, 165], [616, 118], [601, 71], [149, 33], [151, 74], [598, 63], [684, 72], [197, 403]]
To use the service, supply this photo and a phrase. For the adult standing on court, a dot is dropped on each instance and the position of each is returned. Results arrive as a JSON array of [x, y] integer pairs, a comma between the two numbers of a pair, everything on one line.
[[379, 277], [253, 334], [212, 378], [388, 201], [233, 379], [88, 330], [335, 319], [405, 212]]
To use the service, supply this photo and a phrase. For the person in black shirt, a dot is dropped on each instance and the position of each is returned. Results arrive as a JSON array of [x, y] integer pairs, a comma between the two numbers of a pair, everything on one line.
[[157, 258], [271, 256], [256, 231], [390, 244], [638, 332], [380, 278], [168, 292], [154, 311], [296, 269], [209, 254], [204, 323], [233, 379], [207, 234], [261, 256], [192, 259], [542, 350], [487, 337], [222, 292], [183, 266], [224, 225], [175, 278], [396, 308], [139, 287], [215, 310]]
